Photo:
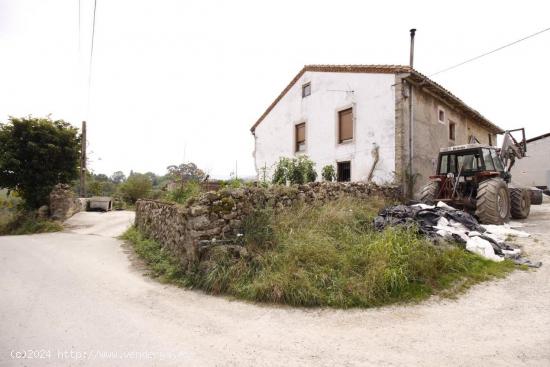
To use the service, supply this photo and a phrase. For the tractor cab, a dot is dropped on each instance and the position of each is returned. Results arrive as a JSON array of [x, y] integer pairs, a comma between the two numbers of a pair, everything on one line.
[[470, 160]]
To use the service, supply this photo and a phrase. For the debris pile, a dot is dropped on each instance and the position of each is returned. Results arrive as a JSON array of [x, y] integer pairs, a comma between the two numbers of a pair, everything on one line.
[[443, 222]]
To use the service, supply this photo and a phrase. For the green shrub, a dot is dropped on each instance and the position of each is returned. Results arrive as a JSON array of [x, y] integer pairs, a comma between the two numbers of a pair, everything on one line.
[[137, 186], [328, 173], [233, 183], [183, 193], [294, 171], [25, 222]]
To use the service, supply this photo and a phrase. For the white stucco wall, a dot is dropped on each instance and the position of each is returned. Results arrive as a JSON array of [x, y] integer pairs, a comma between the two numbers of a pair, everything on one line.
[[373, 101], [534, 170]]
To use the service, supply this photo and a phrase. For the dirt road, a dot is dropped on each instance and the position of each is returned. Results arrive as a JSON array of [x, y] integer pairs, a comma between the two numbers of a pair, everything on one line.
[[76, 299]]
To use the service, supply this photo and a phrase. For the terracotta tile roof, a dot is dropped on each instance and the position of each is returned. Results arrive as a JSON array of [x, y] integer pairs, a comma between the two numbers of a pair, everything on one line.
[[414, 76]]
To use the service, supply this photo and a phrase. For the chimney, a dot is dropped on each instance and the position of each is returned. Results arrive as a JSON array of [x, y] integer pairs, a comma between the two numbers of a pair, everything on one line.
[[413, 31]]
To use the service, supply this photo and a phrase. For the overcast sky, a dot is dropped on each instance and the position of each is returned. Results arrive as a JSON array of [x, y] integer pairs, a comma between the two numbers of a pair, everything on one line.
[[185, 80]]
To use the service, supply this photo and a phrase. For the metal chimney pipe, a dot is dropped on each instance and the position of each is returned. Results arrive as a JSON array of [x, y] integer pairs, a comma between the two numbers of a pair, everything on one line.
[[413, 31]]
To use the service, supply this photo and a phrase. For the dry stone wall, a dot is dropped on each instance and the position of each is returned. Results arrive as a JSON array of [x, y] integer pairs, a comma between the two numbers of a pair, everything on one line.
[[64, 203], [215, 216]]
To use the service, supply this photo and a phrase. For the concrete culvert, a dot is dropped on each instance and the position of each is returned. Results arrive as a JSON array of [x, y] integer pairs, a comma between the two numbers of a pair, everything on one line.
[[100, 203]]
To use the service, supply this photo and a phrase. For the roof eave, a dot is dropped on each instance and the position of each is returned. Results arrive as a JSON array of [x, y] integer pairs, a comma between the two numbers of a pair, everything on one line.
[[424, 82]]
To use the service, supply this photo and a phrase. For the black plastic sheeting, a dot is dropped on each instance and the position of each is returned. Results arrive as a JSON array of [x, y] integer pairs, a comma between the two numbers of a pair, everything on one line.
[[426, 219]]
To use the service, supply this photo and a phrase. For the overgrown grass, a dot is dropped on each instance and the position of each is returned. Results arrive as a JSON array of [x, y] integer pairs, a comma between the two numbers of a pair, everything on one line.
[[22, 222], [329, 255], [162, 265]]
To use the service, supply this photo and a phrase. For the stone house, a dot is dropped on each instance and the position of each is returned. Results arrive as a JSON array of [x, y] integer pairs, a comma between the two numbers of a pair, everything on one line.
[[384, 123], [534, 169]]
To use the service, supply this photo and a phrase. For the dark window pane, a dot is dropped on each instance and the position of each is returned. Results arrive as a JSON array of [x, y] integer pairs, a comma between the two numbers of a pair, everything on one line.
[[443, 166], [344, 171], [306, 90], [496, 159], [488, 160], [452, 132], [300, 137]]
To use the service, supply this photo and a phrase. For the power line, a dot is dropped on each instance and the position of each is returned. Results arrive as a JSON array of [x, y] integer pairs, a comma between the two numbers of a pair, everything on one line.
[[79, 27], [91, 55], [490, 52]]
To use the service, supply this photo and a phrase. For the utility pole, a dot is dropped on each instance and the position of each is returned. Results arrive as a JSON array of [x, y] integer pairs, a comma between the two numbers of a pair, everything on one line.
[[83, 160]]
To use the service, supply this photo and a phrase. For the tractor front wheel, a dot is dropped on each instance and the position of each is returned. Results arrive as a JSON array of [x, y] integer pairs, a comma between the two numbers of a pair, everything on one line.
[[428, 193], [493, 202], [521, 203]]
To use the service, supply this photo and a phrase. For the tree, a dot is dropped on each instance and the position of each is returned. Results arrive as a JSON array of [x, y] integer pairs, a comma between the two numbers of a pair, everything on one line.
[[118, 177], [36, 154], [154, 178], [101, 177], [294, 171], [137, 186], [328, 173], [185, 172]]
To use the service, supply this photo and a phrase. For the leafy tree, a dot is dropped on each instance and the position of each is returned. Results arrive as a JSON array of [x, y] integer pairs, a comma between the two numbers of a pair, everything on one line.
[[36, 154], [154, 178], [100, 177], [294, 171], [118, 177], [328, 173], [185, 172], [137, 186], [95, 188]]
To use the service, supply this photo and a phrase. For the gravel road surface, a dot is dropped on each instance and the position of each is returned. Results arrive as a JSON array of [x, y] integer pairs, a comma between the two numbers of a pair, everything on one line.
[[76, 299]]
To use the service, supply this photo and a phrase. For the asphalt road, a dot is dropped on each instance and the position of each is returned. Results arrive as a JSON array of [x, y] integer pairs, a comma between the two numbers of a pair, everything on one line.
[[76, 299]]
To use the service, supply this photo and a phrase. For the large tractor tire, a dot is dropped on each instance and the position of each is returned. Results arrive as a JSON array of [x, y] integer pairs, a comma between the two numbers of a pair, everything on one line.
[[520, 200], [428, 193], [536, 196], [493, 202]]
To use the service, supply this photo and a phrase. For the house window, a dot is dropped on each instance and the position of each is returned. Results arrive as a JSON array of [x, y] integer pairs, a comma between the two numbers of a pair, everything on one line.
[[344, 171], [345, 125], [452, 130], [490, 139], [300, 135], [441, 115], [306, 90]]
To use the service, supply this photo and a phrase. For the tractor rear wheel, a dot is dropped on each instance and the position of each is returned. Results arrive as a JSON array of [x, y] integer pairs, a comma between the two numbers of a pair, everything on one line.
[[428, 193], [520, 203], [493, 201]]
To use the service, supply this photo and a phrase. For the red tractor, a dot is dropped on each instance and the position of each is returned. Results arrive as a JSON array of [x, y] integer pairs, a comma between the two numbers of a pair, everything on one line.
[[476, 178]]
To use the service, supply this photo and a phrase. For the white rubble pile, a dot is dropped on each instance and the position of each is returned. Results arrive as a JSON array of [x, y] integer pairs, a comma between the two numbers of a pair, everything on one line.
[[474, 240]]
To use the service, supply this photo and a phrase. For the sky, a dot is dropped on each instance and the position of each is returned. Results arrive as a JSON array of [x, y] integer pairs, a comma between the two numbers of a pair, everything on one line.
[[179, 81]]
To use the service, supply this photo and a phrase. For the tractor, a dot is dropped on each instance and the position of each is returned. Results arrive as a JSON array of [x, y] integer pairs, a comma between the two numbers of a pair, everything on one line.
[[476, 178]]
